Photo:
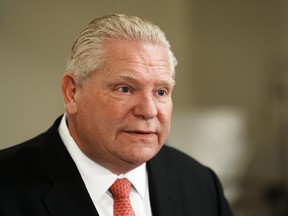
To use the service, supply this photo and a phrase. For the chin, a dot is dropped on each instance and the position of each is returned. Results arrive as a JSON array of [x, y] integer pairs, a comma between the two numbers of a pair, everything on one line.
[[145, 155]]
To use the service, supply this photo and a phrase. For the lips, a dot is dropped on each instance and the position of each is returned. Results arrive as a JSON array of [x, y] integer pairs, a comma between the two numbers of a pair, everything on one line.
[[140, 133]]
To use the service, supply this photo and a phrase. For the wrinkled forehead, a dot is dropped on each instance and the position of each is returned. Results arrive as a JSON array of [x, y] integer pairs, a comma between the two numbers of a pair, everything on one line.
[[137, 52], [130, 77]]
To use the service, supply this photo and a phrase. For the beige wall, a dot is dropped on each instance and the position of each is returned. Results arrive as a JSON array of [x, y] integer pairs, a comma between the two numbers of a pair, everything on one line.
[[230, 55]]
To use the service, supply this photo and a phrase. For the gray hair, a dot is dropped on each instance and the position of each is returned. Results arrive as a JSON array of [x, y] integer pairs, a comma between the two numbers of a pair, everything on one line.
[[87, 53]]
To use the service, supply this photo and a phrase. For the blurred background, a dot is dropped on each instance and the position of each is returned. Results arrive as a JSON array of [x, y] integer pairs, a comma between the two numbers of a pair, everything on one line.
[[230, 100]]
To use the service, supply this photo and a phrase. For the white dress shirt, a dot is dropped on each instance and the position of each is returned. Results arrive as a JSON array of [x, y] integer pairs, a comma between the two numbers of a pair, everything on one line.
[[98, 179]]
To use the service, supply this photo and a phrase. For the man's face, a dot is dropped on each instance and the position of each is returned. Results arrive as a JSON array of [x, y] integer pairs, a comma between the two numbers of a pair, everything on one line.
[[122, 112]]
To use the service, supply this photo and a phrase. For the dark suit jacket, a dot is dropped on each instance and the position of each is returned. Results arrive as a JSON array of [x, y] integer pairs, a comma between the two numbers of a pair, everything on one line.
[[39, 178]]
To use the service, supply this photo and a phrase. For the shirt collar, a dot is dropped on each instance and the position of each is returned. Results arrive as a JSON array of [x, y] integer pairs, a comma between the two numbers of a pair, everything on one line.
[[97, 178]]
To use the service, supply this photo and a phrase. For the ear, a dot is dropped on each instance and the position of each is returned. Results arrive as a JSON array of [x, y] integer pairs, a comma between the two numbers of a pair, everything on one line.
[[69, 91]]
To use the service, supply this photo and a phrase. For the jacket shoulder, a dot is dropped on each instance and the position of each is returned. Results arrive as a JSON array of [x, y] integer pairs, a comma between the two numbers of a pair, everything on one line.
[[25, 156], [189, 181], [173, 157]]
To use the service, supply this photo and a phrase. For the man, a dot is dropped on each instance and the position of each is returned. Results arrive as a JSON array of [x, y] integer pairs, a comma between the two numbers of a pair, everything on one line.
[[117, 93]]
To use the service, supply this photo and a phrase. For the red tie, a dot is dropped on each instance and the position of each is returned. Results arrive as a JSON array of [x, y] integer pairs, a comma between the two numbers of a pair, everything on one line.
[[120, 190]]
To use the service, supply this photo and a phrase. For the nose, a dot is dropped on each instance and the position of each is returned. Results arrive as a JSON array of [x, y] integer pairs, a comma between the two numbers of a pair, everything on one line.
[[145, 107]]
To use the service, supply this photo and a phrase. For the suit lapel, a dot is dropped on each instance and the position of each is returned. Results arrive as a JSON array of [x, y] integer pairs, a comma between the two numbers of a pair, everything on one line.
[[69, 197], [66, 194], [164, 194]]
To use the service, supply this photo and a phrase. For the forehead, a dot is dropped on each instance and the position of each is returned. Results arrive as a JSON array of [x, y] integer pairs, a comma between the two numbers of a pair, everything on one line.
[[159, 79], [134, 62], [136, 53]]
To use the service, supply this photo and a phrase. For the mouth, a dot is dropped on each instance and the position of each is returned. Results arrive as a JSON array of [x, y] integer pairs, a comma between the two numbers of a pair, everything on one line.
[[141, 133]]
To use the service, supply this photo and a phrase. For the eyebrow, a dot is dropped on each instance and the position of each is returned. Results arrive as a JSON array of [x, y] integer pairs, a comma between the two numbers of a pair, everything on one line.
[[125, 76], [130, 77]]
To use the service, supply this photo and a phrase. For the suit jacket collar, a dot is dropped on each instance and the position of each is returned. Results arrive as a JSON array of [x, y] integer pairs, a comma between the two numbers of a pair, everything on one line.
[[164, 194], [60, 172]]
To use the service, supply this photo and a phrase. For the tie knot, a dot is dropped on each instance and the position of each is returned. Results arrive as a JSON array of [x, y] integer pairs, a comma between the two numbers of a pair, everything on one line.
[[121, 188]]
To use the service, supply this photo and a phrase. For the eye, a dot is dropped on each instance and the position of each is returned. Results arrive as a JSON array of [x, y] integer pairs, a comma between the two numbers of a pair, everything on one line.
[[161, 92], [124, 89]]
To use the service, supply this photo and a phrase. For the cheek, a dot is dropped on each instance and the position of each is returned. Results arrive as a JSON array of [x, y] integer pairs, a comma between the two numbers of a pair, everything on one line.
[[105, 119], [116, 111], [166, 115], [165, 121]]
